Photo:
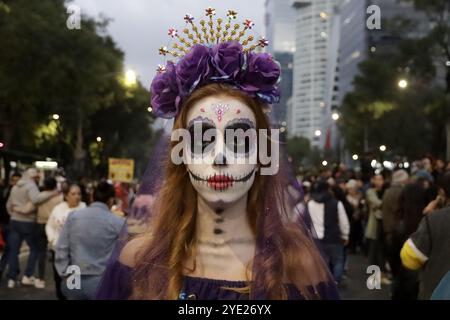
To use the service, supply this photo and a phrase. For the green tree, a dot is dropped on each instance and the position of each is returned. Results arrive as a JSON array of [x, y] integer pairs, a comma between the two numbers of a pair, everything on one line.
[[410, 121], [378, 112], [298, 149], [301, 154], [373, 95], [438, 48], [126, 126], [48, 69]]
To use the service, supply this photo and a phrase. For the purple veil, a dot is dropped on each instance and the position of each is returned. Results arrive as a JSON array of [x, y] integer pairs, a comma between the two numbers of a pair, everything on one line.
[[285, 251], [318, 282]]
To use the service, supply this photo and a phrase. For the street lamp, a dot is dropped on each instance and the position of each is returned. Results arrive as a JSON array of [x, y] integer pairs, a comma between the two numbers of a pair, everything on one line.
[[99, 139], [324, 163], [402, 84], [355, 157], [317, 133], [335, 116], [130, 78], [382, 148]]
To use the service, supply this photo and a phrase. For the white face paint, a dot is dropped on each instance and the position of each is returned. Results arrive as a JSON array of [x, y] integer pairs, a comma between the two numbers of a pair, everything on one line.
[[223, 176]]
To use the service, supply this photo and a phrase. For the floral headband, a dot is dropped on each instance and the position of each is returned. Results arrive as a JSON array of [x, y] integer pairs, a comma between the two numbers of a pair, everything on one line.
[[215, 56]]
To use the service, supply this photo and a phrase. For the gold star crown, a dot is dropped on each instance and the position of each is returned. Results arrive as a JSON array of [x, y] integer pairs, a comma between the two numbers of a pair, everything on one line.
[[211, 31]]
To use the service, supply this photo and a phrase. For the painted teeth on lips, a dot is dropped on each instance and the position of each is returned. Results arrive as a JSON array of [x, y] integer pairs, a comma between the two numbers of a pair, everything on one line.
[[220, 182]]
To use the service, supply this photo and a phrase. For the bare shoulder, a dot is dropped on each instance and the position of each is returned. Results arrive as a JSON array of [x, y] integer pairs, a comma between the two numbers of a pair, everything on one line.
[[129, 253]]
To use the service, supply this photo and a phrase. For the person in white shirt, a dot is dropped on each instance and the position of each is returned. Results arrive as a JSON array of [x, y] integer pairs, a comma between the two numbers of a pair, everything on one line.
[[72, 202], [331, 226]]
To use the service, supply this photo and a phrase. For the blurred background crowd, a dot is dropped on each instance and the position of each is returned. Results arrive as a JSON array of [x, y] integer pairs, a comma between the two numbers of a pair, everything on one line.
[[364, 212], [365, 95], [383, 209]]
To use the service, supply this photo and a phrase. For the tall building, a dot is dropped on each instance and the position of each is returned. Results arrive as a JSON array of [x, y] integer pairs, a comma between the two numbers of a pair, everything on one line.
[[315, 62], [331, 39], [285, 85], [353, 44], [358, 42], [279, 20]]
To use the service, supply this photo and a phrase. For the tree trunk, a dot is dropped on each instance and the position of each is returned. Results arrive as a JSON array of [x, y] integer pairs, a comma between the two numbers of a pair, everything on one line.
[[8, 126], [8, 133], [366, 139], [79, 152], [448, 117], [448, 139]]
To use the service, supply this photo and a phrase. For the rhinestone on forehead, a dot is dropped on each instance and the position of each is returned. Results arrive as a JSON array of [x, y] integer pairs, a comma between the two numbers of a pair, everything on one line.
[[220, 110]]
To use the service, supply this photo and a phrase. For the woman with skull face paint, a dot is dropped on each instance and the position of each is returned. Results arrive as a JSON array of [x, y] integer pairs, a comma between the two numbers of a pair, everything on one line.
[[218, 225]]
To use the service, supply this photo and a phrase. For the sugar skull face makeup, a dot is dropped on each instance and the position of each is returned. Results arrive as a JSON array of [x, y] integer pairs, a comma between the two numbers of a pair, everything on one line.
[[223, 136]]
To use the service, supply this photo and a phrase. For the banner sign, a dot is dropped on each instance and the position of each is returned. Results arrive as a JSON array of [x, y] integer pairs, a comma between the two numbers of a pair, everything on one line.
[[121, 170]]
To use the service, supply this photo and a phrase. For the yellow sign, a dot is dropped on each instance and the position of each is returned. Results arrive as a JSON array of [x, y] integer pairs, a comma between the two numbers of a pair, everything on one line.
[[121, 170]]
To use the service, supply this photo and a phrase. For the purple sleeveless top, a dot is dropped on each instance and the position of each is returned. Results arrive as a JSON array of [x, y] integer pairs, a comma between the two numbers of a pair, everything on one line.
[[116, 285]]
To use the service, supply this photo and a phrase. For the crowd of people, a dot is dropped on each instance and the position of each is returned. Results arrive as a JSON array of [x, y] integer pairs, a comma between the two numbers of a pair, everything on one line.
[[399, 219], [55, 218]]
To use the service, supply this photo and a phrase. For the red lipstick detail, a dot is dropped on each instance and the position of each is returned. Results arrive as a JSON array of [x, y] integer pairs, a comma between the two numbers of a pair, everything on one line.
[[220, 182]]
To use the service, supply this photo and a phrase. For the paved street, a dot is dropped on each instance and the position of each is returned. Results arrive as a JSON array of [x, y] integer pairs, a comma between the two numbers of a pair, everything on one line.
[[354, 287], [29, 292]]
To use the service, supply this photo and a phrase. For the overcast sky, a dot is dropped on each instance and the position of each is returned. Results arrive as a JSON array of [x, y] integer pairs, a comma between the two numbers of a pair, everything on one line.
[[139, 27]]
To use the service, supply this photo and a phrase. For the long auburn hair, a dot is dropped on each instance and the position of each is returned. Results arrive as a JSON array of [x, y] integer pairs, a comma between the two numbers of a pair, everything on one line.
[[288, 254]]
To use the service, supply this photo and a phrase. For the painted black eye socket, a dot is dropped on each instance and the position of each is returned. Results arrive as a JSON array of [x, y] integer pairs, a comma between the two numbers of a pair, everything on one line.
[[241, 145], [242, 138], [198, 141], [239, 138]]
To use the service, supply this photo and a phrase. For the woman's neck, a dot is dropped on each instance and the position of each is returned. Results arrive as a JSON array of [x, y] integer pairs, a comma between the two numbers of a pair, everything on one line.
[[232, 211], [71, 205], [225, 241], [228, 222]]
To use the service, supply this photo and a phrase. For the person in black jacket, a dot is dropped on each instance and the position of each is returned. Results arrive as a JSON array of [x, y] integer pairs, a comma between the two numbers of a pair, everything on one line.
[[331, 226]]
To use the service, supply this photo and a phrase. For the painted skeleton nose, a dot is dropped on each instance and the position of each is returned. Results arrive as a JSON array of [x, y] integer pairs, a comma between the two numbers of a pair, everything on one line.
[[220, 160], [219, 151]]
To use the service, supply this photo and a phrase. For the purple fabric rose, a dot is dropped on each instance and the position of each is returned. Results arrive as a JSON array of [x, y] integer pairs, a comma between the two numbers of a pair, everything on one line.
[[254, 74], [193, 69], [165, 97], [262, 73], [227, 59], [271, 96]]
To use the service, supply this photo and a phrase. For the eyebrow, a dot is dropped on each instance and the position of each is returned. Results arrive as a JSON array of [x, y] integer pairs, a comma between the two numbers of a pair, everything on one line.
[[239, 121], [202, 120]]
